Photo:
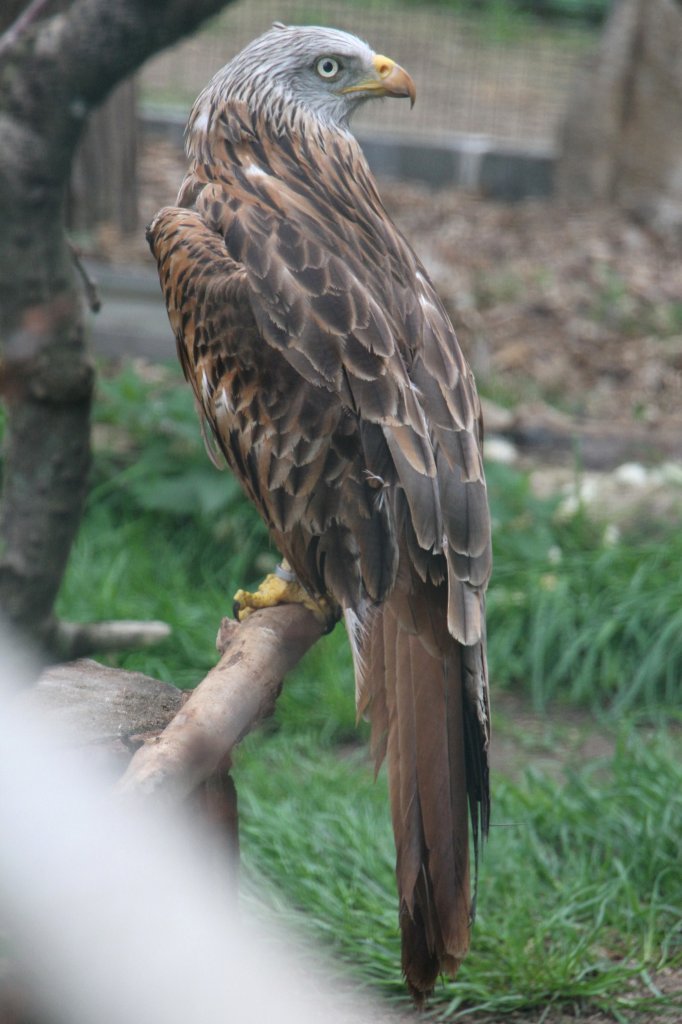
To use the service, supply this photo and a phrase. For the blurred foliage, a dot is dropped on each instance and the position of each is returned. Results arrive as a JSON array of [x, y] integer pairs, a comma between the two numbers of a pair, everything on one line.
[[583, 10], [587, 11]]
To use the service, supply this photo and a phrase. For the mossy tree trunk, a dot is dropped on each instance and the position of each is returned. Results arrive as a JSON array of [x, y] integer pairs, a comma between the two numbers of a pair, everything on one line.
[[57, 63]]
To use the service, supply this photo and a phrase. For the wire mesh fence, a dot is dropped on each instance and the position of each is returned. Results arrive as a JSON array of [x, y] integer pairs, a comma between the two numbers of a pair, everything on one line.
[[503, 75]]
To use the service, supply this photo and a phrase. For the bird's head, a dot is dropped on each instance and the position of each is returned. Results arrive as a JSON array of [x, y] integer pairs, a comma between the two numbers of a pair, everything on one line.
[[319, 71]]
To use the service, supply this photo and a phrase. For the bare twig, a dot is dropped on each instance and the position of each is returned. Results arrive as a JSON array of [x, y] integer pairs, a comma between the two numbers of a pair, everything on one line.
[[18, 27], [89, 284], [235, 695]]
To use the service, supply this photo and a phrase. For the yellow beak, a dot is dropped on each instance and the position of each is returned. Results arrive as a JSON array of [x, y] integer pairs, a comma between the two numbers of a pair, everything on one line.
[[390, 80]]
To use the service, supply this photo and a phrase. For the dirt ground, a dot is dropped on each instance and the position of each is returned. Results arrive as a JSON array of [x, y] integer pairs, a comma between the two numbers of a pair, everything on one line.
[[580, 310]]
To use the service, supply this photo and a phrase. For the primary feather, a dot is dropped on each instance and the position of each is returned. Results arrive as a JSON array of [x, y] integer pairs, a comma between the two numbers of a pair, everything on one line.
[[327, 370]]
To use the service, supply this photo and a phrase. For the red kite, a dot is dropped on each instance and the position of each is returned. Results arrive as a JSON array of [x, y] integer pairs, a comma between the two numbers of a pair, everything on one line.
[[330, 377]]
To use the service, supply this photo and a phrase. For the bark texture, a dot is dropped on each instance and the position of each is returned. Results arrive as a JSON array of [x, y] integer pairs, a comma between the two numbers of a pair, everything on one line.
[[56, 64], [98, 706]]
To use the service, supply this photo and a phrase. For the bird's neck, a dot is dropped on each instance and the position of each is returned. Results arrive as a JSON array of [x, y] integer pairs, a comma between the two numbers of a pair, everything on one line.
[[281, 143]]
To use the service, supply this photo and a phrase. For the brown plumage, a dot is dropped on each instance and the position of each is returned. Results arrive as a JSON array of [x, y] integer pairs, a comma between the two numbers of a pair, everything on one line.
[[329, 375]]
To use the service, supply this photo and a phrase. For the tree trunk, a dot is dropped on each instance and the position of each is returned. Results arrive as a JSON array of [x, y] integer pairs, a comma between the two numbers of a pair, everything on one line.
[[622, 140], [47, 377], [54, 68]]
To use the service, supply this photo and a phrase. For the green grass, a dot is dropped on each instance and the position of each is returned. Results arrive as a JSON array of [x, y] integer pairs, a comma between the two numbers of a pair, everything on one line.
[[578, 620], [581, 888]]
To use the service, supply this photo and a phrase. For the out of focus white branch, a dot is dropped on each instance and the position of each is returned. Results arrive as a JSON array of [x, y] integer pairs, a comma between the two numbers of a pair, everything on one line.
[[116, 912], [78, 639]]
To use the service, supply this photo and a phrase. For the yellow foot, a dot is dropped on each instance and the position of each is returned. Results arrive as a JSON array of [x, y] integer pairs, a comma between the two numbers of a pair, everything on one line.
[[282, 587]]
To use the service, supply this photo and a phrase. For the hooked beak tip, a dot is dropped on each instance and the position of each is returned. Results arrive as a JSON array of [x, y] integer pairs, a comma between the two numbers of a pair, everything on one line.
[[390, 80], [394, 80]]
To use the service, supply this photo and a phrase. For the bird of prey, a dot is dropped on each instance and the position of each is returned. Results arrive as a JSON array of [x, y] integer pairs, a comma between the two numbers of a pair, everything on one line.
[[330, 379]]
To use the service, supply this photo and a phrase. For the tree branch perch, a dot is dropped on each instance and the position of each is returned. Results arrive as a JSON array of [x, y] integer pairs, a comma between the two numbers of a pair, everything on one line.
[[233, 698]]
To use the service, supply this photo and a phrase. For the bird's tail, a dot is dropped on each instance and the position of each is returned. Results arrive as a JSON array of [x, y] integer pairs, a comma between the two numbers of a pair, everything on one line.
[[414, 689]]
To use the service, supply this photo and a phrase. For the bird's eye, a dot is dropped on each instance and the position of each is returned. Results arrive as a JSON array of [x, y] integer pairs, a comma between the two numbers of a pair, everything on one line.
[[328, 67]]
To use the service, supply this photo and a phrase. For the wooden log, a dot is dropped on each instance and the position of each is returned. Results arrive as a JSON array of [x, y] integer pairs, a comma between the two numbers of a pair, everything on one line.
[[106, 712], [98, 704]]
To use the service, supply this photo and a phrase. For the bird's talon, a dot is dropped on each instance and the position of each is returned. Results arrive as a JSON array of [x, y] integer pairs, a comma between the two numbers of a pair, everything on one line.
[[276, 590], [241, 608]]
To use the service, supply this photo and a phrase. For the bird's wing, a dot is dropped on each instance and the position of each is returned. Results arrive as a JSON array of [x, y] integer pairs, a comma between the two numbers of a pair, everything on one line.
[[338, 292]]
